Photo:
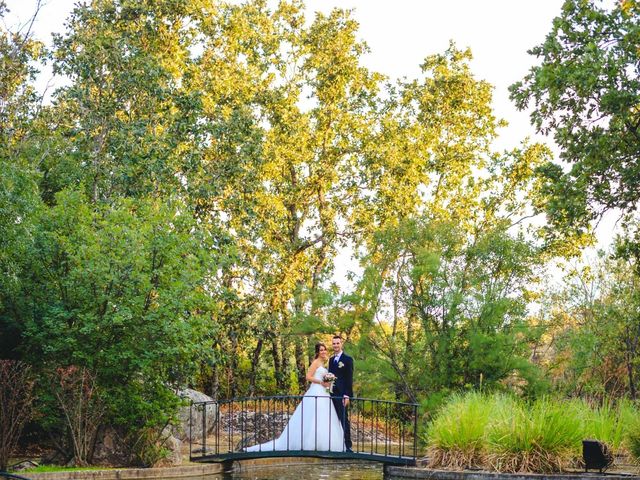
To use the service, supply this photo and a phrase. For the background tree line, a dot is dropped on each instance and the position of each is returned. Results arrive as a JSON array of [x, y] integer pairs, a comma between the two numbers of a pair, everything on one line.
[[173, 215]]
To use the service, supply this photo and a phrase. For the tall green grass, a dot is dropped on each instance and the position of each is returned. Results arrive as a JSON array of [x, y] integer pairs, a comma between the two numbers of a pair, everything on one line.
[[609, 423], [503, 433], [543, 437], [456, 436], [632, 437]]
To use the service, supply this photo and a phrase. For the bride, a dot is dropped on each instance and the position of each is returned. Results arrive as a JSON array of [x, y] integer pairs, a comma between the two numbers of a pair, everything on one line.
[[314, 424]]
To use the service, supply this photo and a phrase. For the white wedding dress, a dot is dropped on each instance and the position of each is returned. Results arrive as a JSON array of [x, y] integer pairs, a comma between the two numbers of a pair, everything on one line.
[[314, 424]]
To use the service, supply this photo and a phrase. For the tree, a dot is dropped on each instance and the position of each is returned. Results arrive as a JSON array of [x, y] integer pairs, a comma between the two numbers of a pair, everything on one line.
[[19, 196], [288, 108], [125, 125], [447, 267], [593, 346], [457, 303], [195, 180], [586, 92]]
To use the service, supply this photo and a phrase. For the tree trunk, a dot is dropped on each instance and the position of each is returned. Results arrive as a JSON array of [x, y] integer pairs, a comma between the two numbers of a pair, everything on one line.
[[233, 364], [629, 357], [278, 364], [286, 368], [254, 365], [214, 384], [301, 363]]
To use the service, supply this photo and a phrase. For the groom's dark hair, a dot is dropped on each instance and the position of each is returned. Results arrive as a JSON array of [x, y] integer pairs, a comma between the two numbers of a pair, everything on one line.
[[338, 337], [318, 346]]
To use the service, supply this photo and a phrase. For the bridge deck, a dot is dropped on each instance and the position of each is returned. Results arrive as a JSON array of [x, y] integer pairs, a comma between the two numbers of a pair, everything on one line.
[[371, 457]]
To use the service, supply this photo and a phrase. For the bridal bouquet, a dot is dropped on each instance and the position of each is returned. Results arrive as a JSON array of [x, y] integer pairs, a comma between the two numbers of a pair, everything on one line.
[[329, 378]]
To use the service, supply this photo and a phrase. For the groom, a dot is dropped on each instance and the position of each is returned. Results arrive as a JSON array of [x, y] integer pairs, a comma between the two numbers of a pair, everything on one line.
[[341, 365]]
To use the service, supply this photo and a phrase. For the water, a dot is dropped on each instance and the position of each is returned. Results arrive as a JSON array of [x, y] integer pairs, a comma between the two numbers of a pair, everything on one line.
[[316, 471]]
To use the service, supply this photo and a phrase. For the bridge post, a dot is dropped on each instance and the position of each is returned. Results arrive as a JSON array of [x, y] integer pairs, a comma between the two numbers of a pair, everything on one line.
[[204, 429], [191, 430], [227, 466], [415, 431]]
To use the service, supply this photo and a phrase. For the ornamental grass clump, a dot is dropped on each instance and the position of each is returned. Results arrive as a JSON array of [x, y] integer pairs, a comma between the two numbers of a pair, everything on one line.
[[502, 433], [544, 437], [631, 442], [609, 422], [455, 437]]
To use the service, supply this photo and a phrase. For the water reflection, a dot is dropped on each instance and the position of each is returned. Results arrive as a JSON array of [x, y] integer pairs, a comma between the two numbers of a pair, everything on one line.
[[315, 471]]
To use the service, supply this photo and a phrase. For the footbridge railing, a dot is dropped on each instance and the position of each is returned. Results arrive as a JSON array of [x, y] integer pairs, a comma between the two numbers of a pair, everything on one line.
[[383, 431]]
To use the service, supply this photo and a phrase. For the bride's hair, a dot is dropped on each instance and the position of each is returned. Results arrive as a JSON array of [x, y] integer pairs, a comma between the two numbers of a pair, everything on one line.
[[318, 346]]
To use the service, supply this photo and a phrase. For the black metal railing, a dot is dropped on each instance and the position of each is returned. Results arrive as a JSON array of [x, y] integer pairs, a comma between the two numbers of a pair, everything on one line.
[[257, 427]]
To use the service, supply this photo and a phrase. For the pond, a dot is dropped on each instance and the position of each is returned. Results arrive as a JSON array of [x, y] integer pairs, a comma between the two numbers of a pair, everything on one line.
[[316, 471]]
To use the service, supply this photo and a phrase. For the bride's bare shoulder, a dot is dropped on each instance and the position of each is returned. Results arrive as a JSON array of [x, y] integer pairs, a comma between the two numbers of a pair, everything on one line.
[[315, 363]]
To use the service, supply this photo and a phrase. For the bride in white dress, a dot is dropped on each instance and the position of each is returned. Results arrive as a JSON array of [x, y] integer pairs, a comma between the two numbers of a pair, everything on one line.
[[314, 424]]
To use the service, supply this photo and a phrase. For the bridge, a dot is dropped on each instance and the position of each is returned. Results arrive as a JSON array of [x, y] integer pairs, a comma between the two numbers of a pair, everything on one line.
[[220, 431]]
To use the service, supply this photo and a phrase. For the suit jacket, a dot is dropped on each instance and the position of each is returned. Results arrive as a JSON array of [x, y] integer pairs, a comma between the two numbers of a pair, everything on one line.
[[343, 371]]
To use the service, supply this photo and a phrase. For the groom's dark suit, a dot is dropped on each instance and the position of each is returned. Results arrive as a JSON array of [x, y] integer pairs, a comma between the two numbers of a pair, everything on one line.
[[343, 385]]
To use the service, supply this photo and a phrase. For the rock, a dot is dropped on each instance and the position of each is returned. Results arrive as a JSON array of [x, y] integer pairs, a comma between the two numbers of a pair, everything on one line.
[[257, 427], [194, 395], [254, 427], [24, 465], [175, 447], [110, 449], [174, 458], [55, 457], [182, 430]]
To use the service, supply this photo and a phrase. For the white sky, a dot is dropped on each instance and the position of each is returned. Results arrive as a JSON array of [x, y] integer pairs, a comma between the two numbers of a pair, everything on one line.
[[401, 33]]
